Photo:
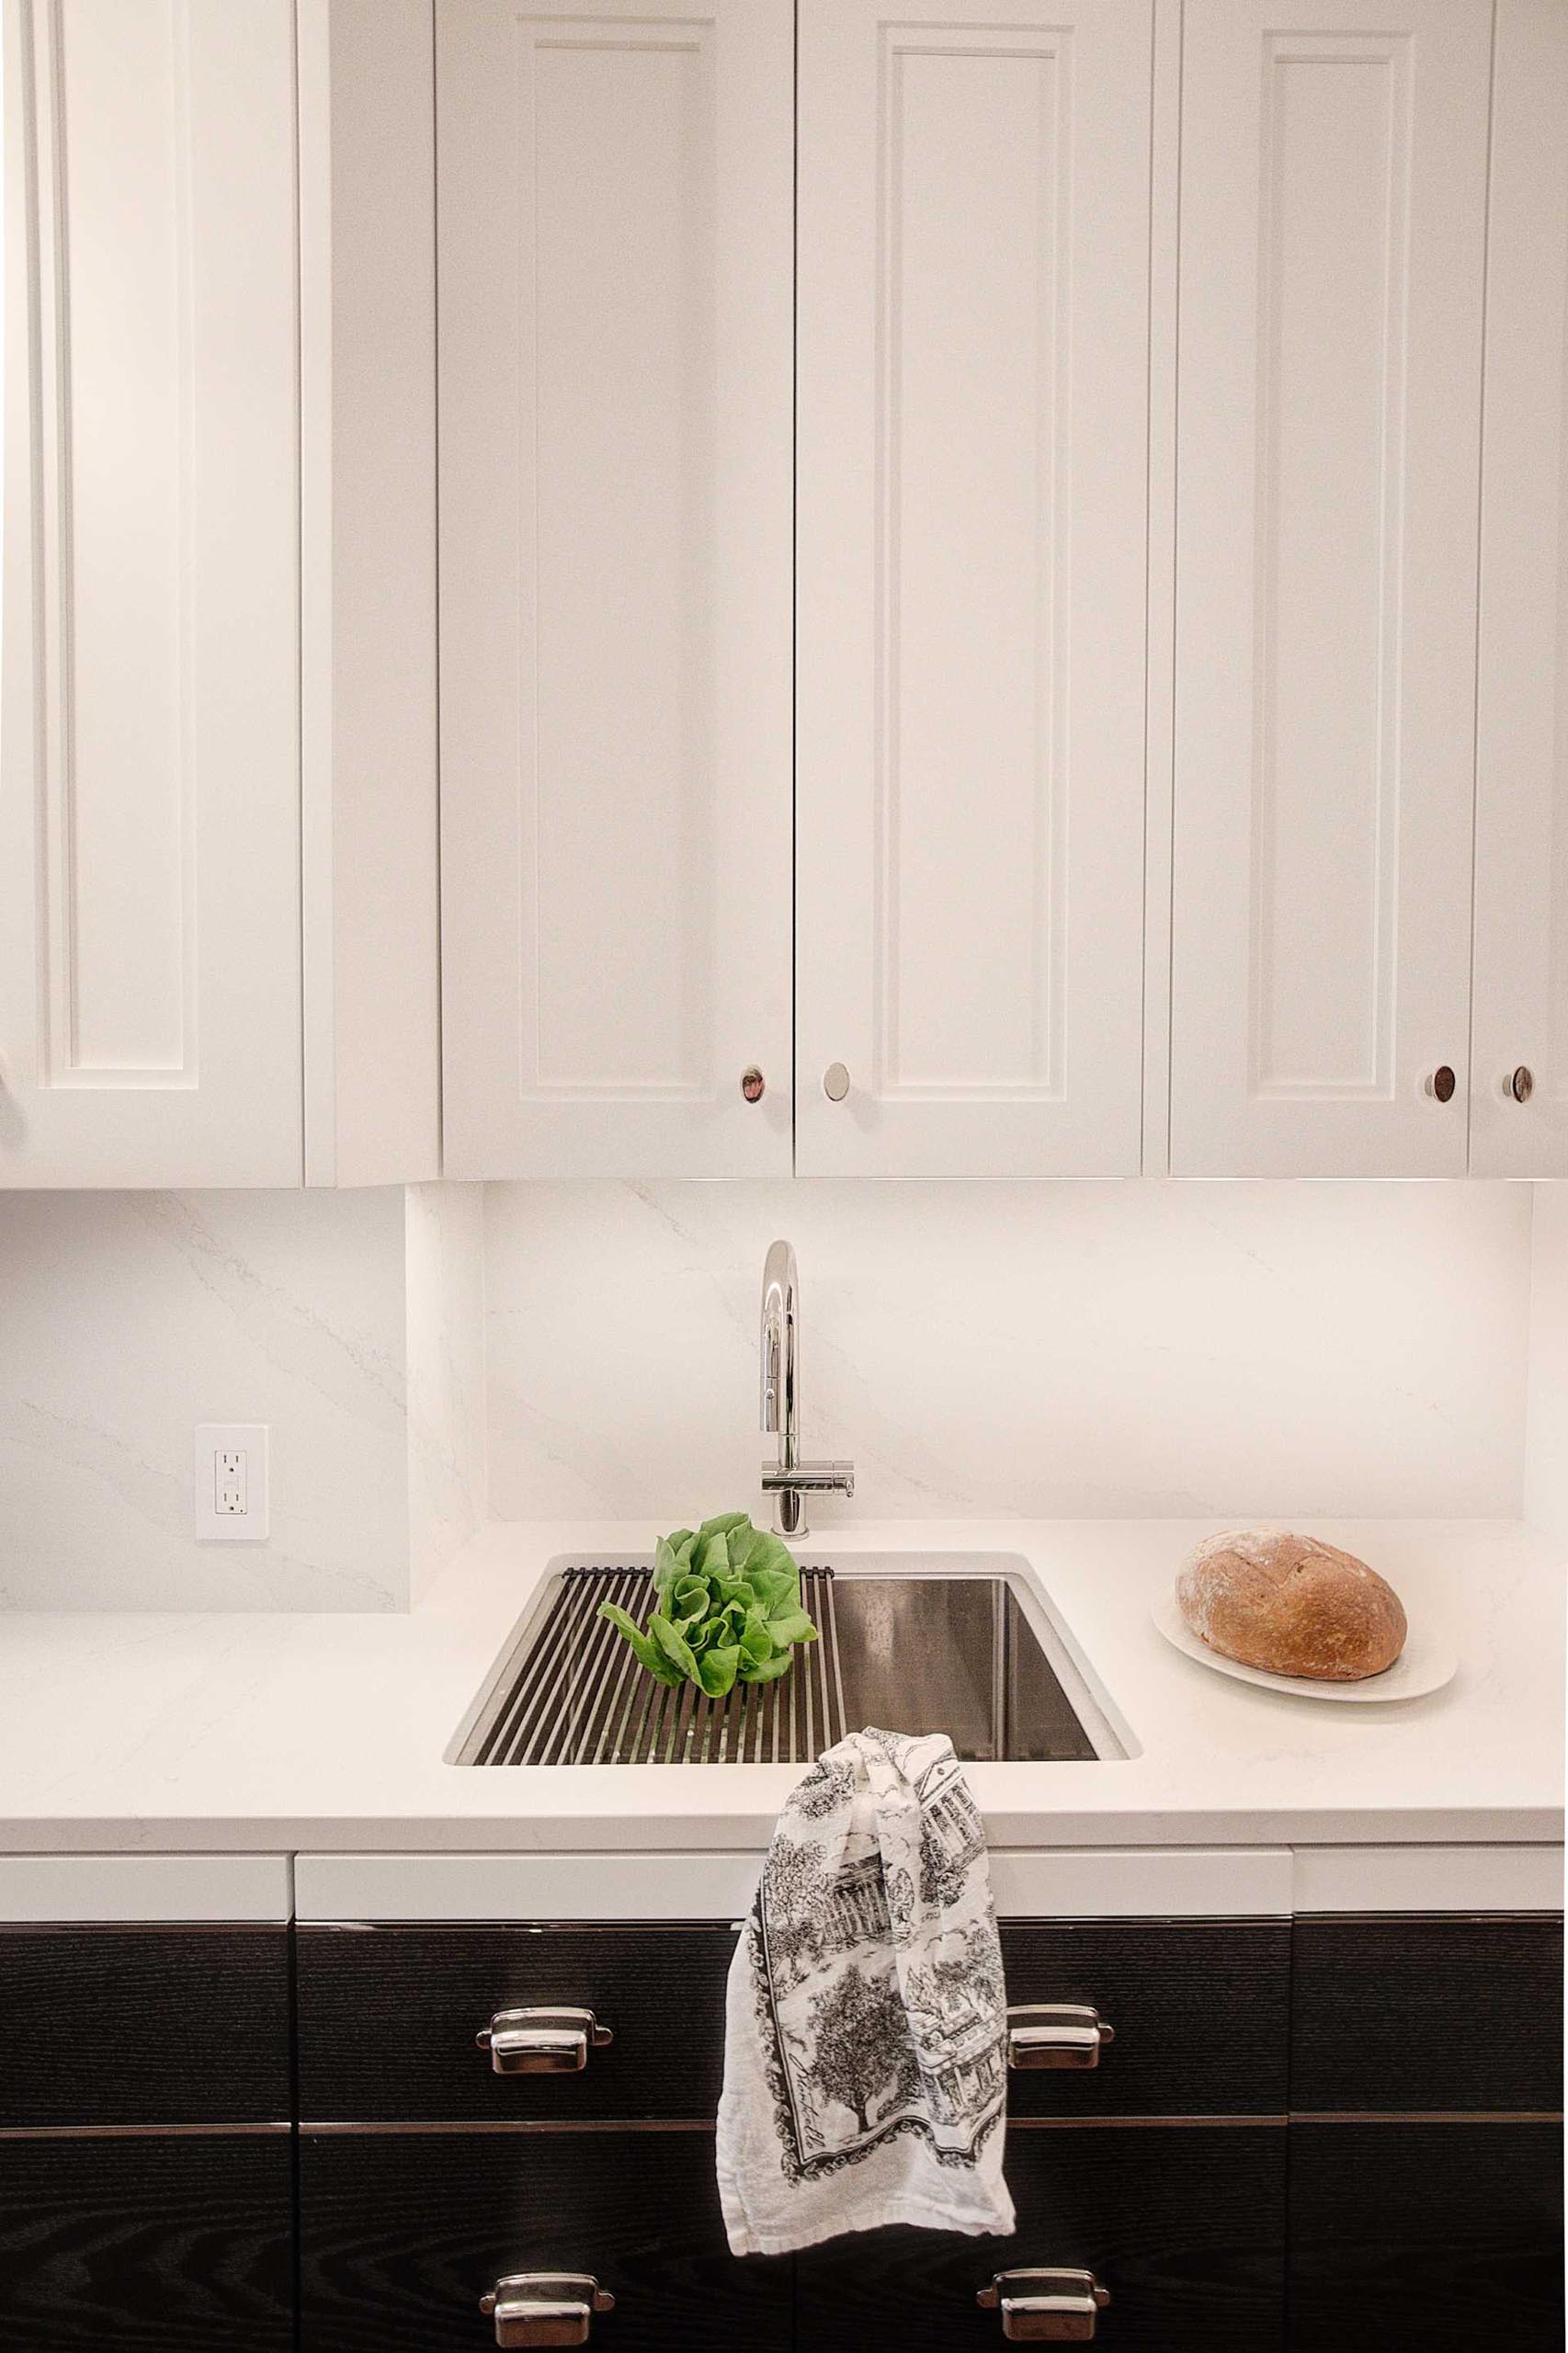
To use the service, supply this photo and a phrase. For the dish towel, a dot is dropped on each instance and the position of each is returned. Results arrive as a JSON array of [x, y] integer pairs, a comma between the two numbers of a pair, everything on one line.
[[865, 2048]]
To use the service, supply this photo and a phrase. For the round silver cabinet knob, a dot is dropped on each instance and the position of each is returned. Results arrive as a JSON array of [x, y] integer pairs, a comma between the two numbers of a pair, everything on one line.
[[754, 1086], [836, 1082], [1441, 1083], [1521, 1085]]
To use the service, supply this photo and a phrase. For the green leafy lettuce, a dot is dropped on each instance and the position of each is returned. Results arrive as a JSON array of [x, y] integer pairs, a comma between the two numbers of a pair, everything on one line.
[[726, 1607]]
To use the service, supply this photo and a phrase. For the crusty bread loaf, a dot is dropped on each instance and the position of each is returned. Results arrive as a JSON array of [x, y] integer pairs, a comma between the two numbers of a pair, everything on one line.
[[1292, 1605]]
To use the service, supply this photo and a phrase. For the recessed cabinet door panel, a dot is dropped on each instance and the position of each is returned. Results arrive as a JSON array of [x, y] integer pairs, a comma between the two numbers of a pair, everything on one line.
[[1518, 1115], [972, 436], [149, 817], [614, 295], [1333, 210]]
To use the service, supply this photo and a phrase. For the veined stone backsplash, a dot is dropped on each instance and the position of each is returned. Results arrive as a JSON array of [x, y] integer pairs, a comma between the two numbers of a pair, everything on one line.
[[1052, 1349], [1241, 1351], [127, 1318]]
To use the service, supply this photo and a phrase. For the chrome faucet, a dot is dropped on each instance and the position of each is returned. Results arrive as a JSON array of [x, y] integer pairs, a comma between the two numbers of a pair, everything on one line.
[[788, 1480]]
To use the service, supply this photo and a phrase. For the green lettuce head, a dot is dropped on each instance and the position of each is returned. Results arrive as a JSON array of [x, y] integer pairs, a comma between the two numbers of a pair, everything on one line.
[[726, 1607]]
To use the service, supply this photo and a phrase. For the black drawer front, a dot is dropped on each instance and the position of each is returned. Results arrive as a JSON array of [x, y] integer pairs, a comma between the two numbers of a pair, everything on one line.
[[144, 2025], [387, 2020], [146, 2245], [1185, 2226], [1427, 2013], [1442, 2237], [1201, 2011], [403, 2232]]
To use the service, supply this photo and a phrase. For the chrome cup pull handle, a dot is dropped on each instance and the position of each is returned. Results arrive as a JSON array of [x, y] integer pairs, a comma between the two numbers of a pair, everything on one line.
[[1056, 2034], [545, 2307], [1053, 2306], [541, 2041]]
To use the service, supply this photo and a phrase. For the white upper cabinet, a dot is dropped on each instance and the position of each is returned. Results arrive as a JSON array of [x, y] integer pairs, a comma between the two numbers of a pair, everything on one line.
[[218, 915], [1052, 661], [615, 299], [1519, 1094], [1333, 227], [149, 808], [973, 366]]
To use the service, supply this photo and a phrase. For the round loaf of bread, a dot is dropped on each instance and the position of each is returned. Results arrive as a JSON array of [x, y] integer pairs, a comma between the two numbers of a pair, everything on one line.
[[1292, 1605]]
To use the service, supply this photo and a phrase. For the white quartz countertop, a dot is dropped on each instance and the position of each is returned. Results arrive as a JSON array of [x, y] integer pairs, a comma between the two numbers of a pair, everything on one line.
[[317, 1732]]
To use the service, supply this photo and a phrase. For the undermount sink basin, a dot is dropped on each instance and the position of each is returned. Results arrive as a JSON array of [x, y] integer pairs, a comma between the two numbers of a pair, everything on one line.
[[913, 1643]]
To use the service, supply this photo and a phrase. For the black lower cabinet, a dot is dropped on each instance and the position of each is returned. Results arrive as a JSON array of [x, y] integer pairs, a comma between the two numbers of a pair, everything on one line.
[[1425, 2197], [147, 2151], [404, 2231], [154, 2197], [1161, 1984], [426, 1989], [1184, 2225], [1415, 2012], [1443, 2236], [177, 2244], [121, 2026]]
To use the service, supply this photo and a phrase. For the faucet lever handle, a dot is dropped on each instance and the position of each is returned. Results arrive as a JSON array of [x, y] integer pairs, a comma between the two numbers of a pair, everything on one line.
[[808, 1479]]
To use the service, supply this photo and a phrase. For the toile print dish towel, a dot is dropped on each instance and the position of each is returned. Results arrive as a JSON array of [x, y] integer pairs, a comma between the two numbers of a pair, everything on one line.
[[865, 2048]]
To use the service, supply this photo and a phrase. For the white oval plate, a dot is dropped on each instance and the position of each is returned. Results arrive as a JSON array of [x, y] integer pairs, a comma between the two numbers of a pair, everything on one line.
[[1428, 1660]]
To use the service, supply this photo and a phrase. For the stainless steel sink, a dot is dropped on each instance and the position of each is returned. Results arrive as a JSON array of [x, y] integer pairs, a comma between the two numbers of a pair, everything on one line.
[[911, 1643]]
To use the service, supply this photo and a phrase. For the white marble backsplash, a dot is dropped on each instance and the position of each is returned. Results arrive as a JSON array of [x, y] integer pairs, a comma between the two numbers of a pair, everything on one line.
[[127, 1318], [1235, 1350]]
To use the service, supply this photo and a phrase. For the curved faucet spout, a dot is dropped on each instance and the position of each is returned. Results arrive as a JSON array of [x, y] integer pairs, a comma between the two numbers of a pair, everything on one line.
[[780, 1341], [788, 1479]]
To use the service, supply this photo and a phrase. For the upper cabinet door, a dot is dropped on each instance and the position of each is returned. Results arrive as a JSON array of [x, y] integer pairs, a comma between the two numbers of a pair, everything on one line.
[[149, 806], [1332, 211], [1520, 1102], [614, 267], [972, 463]]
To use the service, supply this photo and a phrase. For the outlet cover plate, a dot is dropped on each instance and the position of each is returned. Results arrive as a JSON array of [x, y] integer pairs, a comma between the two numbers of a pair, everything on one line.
[[231, 1485]]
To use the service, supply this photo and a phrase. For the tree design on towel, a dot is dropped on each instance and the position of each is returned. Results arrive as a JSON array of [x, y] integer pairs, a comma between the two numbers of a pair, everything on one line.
[[863, 2057], [825, 1789], [793, 1881]]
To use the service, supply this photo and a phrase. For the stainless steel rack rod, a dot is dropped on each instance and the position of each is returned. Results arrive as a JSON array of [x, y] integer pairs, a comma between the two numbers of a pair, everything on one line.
[[575, 1696]]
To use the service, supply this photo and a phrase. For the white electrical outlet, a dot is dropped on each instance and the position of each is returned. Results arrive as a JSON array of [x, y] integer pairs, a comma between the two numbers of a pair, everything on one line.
[[231, 1482]]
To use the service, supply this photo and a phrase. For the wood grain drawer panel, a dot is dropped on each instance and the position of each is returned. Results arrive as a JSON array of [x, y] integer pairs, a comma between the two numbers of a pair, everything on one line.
[[1201, 2011], [388, 2017], [1185, 2226], [1441, 2237], [387, 2020], [1426, 2013], [146, 2245], [403, 2232], [144, 2025]]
